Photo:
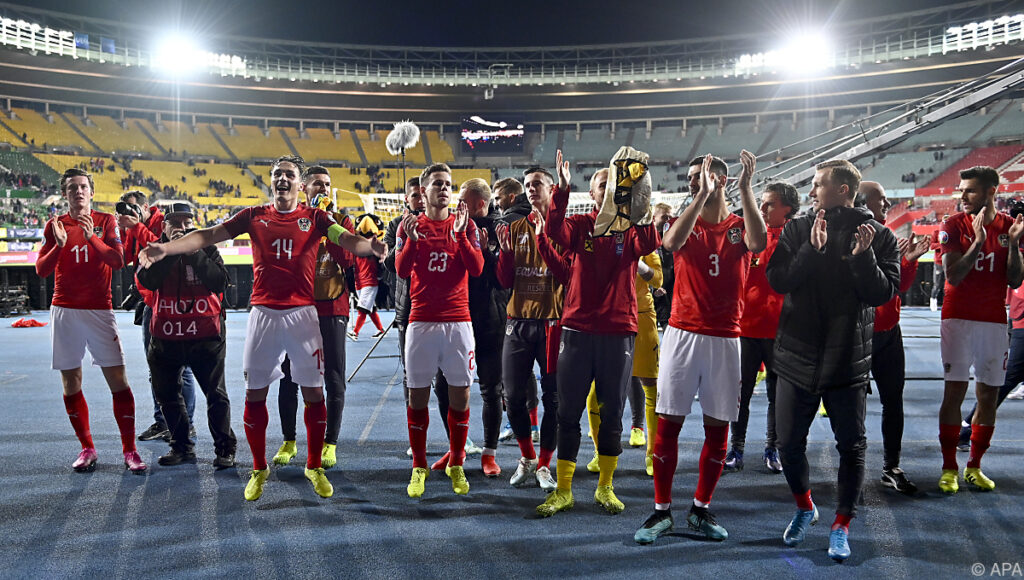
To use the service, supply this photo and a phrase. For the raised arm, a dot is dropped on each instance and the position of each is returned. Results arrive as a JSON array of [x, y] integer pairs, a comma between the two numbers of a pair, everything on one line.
[[468, 243], [681, 229], [957, 261], [756, 232], [186, 244], [557, 228], [109, 247]]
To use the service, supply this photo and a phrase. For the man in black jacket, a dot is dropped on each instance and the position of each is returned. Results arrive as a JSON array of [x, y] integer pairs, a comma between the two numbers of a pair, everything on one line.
[[413, 203], [187, 329], [834, 266]]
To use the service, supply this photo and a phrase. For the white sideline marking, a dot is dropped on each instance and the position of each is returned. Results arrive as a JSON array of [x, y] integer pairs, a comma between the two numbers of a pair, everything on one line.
[[376, 411]]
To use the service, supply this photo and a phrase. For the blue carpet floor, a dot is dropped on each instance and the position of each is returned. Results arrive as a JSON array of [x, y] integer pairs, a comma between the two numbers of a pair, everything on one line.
[[190, 521]]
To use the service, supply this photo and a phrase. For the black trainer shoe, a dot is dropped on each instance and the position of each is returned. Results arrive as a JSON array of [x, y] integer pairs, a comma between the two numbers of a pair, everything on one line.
[[703, 521], [224, 460], [154, 432], [192, 433], [896, 479], [177, 457]]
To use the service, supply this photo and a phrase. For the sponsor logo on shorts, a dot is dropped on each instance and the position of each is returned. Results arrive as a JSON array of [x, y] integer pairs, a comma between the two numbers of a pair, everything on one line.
[[305, 224], [735, 235]]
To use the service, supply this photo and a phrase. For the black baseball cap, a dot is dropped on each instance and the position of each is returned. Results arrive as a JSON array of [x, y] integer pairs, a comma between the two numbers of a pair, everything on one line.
[[180, 208]]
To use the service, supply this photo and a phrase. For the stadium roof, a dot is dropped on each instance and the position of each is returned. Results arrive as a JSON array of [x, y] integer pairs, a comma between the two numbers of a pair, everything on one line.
[[467, 23]]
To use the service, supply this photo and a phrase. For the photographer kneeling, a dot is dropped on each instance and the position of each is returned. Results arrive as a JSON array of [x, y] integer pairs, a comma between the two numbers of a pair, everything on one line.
[[188, 330]]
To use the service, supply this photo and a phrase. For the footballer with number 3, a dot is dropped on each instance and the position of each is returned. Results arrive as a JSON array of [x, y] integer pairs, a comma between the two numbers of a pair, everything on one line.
[[285, 237], [83, 247]]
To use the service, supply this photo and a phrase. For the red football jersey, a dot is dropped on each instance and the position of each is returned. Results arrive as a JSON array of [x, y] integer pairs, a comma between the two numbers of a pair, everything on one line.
[[83, 275], [711, 271], [761, 320], [284, 250], [600, 295], [887, 316], [1016, 300], [438, 267], [981, 295], [366, 271]]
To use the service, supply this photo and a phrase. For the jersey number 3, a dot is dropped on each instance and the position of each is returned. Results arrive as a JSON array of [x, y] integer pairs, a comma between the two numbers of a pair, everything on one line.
[[713, 270]]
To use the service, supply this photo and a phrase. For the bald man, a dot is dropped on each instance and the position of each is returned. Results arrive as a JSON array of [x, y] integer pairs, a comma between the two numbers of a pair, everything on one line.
[[887, 358]]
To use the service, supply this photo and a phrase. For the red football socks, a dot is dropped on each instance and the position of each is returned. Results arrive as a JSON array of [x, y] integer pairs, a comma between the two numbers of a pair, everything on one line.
[[666, 456], [526, 447], [255, 419], [533, 417], [458, 425], [544, 459], [419, 420], [842, 522], [124, 414], [712, 460], [981, 437], [376, 321], [315, 416], [949, 436], [78, 413], [803, 501], [360, 321]]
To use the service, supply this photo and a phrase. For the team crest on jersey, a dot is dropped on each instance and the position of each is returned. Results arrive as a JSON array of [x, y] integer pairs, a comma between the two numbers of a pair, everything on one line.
[[305, 224], [1004, 240], [755, 262], [943, 237], [588, 245], [98, 230], [735, 235]]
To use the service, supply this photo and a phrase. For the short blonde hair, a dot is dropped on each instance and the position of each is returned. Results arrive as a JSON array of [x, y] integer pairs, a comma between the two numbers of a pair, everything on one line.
[[842, 172], [479, 187]]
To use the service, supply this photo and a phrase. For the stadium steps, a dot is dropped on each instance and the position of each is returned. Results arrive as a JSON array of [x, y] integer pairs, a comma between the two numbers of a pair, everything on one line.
[[288, 142], [13, 132], [426, 150], [252, 175], [995, 118], [359, 147], [763, 148], [20, 162], [81, 133], [150, 136], [221, 142], [991, 156]]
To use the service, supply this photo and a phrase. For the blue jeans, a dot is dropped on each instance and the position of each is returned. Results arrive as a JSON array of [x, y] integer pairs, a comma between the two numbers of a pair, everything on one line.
[[188, 381]]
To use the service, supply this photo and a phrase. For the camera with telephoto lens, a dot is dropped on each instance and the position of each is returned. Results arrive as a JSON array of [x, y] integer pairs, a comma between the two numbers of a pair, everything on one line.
[[129, 209], [1015, 207]]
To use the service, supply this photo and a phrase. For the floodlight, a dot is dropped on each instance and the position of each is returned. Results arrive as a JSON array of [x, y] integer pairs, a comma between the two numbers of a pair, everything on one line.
[[176, 55], [809, 52]]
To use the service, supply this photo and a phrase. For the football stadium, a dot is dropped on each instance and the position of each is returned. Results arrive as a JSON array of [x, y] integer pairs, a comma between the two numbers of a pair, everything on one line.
[[797, 218]]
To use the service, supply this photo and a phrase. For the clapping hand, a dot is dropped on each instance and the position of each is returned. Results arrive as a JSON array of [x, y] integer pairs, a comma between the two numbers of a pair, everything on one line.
[[819, 236], [863, 238]]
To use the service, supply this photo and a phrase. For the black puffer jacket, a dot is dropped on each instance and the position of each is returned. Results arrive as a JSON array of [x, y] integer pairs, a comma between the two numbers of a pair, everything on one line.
[[488, 299], [401, 285], [827, 320], [519, 209]]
